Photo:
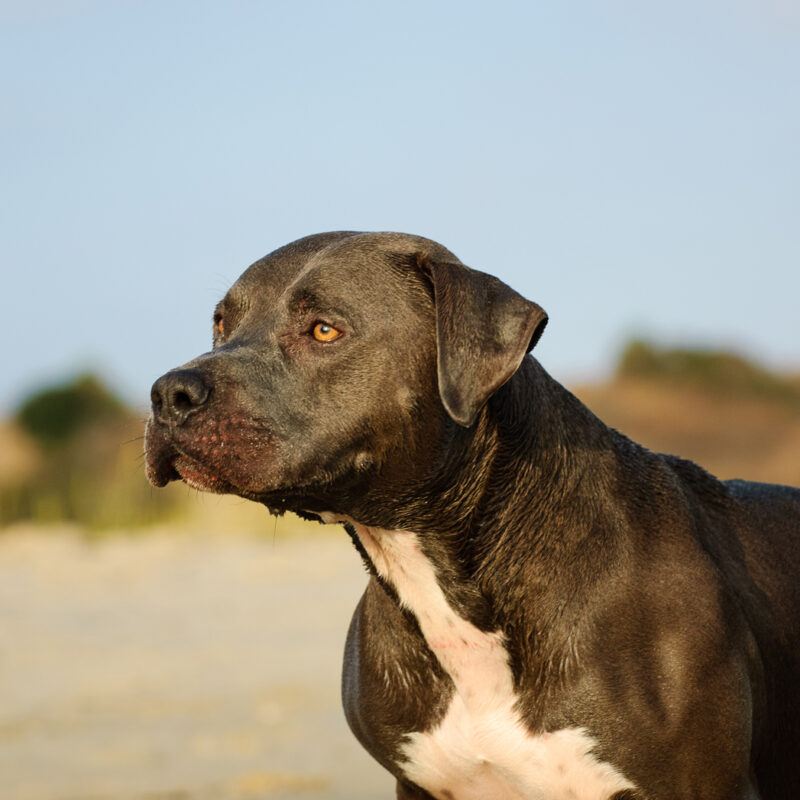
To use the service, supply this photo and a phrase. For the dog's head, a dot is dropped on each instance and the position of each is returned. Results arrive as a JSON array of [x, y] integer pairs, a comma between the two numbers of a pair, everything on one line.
[[338, 360]]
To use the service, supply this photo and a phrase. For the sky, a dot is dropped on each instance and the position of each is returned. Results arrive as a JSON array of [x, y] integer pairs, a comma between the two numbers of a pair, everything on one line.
[[633, 167]]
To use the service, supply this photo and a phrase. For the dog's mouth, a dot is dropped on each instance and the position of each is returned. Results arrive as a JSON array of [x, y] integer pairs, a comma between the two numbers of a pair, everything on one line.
[[166, 463], [229, 456], [164, 466], [205, 461], [159, 457], [199, 476]]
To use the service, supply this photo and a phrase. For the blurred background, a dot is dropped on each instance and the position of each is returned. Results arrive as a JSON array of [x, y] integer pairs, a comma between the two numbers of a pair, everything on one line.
[[634, 168]]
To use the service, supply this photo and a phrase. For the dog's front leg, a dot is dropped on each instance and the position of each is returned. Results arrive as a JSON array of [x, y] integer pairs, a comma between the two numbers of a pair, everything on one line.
[[409, 791]]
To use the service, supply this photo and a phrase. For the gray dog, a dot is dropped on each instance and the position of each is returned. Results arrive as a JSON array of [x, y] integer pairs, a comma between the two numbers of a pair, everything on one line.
[[554, 611]]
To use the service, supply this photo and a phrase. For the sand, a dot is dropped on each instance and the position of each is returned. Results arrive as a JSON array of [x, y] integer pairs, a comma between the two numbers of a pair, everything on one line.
[[177, 666]]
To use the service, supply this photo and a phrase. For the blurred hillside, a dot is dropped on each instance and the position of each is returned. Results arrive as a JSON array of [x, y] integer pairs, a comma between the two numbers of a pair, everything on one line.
[[73, 452], [730, 415]]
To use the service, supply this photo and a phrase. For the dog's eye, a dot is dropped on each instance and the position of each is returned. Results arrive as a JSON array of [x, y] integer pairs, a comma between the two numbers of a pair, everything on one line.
[[323, 332]]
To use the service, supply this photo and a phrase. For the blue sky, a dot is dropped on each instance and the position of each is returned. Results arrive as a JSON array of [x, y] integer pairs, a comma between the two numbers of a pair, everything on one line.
[[632, 167]]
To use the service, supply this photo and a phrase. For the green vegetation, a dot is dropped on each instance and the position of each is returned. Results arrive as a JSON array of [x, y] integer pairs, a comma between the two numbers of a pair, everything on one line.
[[86, 465], [56, 415], [710, 370]]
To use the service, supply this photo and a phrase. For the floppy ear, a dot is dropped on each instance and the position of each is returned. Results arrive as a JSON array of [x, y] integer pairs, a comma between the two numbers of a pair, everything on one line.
[[483, 331]]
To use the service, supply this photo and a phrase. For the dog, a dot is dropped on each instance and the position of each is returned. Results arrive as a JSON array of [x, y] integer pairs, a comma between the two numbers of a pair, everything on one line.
[[553, 611]]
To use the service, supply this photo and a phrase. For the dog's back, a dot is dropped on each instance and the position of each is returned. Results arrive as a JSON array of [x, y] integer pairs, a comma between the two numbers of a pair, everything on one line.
[[770, 536]]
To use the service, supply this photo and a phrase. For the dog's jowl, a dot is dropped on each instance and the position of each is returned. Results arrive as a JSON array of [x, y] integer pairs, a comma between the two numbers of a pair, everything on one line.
[[554, 612]]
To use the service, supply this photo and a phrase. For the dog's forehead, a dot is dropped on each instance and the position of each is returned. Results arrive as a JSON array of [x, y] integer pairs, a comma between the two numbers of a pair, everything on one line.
[[268, 277], [369, 246], [325, 260]]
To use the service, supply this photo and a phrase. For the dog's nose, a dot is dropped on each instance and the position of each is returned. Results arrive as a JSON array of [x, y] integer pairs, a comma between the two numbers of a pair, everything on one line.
[[178, 394]]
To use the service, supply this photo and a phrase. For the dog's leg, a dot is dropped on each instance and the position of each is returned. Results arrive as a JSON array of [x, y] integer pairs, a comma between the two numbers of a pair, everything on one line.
[[408, 791], [750, 793]]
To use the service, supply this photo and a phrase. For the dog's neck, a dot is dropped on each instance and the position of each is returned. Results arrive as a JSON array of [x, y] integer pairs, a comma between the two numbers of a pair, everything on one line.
[[536, 450]]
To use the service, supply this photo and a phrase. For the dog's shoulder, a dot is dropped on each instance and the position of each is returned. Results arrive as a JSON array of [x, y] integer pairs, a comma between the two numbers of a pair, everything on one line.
[[785, 499], [769, 516]]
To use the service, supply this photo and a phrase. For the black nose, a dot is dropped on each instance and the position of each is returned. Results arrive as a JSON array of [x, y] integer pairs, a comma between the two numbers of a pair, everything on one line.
[[178, 394]]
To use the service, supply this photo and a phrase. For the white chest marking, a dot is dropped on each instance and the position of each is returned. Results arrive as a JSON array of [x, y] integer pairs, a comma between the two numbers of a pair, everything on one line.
[[481, 750]]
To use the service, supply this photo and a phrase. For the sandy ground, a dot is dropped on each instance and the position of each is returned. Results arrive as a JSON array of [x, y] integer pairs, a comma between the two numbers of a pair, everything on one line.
[[170, 666]]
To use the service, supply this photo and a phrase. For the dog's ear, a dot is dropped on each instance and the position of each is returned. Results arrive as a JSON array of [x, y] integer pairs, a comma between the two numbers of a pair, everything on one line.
[[483, 331]]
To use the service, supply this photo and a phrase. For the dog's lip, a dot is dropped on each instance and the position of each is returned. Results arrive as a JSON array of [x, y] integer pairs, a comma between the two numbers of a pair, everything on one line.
[[160, 470], [162, 476], [193, 473]]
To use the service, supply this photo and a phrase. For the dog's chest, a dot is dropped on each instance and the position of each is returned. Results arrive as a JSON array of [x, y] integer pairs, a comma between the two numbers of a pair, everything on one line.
[[481, 750]]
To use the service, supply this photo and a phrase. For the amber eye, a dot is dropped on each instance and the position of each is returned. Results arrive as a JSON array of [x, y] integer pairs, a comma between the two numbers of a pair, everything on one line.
[[323, 332], [219, 326]]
